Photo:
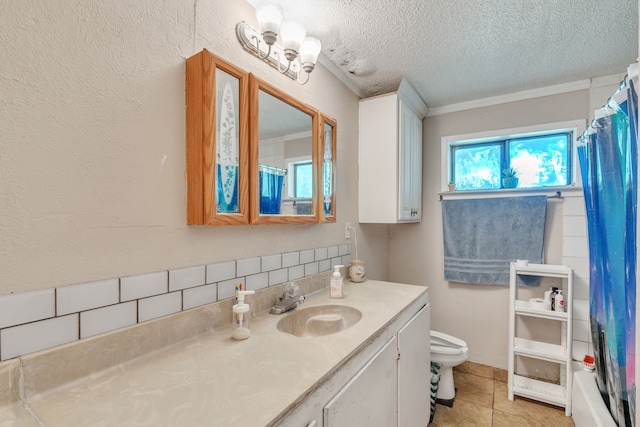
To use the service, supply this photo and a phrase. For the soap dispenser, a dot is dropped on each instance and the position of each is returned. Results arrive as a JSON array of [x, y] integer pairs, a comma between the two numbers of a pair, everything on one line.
[[241, 317], [336, 288]]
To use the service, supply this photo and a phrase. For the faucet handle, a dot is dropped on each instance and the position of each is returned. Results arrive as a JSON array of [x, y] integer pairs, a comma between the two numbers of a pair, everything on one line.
[[302, 299], [291, 290]]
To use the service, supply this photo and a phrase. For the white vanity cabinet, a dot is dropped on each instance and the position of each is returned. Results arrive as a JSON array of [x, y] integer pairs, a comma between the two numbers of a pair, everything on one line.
[[414, 370], [369, 399], [390, 157], [386, 384]]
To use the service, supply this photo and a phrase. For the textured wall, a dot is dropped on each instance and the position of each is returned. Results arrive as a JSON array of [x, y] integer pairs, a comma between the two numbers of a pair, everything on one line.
[[92, 152]]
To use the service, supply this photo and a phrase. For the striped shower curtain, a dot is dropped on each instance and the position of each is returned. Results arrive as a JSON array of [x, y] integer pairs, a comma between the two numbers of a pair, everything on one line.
[[608, 155]]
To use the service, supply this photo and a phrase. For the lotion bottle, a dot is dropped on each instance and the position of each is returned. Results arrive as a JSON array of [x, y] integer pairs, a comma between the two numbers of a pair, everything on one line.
[[337, 285], [560, 301], [241, 317]]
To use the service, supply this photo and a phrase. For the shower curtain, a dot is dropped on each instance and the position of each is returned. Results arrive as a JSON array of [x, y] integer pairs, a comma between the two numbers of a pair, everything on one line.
[[608, 155], [271, 183]]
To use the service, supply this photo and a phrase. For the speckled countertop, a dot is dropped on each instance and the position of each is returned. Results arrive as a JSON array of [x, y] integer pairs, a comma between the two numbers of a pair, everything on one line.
[[208, 379]]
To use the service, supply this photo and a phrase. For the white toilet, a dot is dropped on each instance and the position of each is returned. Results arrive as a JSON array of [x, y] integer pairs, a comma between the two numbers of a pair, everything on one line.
[[448, 351]]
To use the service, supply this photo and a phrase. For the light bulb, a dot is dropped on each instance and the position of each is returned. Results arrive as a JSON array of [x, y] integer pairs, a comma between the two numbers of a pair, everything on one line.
[[269, 17], [292, 34], [309, 52]]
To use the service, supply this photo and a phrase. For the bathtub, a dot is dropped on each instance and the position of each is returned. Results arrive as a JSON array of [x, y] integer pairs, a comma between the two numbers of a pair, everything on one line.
[[588, 409]]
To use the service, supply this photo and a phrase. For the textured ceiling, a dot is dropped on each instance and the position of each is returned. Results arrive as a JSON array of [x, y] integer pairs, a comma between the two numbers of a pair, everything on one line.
[[454, 51]]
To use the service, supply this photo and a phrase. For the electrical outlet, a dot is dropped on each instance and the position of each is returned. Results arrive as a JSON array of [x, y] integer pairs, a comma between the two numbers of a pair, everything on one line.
[[347, 233]]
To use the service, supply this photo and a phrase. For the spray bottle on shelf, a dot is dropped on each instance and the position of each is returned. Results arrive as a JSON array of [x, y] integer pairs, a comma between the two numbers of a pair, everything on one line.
[[337, 285], [241, 317]]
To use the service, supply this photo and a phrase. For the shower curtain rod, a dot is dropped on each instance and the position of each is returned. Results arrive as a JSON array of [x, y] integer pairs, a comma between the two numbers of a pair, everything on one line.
[[558, 195], [593, 124]]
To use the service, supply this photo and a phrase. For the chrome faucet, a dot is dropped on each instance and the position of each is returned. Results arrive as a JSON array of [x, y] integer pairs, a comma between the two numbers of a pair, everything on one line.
[[289, 299]]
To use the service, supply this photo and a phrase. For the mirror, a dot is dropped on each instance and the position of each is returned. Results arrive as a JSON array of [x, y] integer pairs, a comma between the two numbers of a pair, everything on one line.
[[217, 141], [327, 171], [283, 161]]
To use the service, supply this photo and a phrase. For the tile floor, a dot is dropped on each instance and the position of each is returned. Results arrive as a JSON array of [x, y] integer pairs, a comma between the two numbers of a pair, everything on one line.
[[481, 400]]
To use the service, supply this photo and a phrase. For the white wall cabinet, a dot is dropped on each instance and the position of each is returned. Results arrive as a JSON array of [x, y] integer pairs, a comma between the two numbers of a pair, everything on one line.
[[522, 385], [390, 157], [385, 385]]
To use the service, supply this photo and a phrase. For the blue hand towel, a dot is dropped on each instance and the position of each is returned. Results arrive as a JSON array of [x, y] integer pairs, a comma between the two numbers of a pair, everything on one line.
[[482, 236]]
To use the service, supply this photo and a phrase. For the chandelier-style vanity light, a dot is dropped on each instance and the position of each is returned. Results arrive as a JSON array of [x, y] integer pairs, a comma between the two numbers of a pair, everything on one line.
[[295, 43]]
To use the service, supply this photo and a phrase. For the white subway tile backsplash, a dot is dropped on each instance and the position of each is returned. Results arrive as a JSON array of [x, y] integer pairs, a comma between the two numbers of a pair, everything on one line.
[[324, 265], [227, 289], [573, 206], [574, 225], [344, 250], [160, 305], [75, 298], [278, 276], [248, 266], [580, 309], [332, 251], [271, 262], [144, 285], [257, 281], [580, 349], [105, 319], [290, 259], [189, 277], [221, 271], [580, 266], [581, 330], [321, 254], [200, 295], [296, 272], [37, 336], [345, 260], [28, 321], [27, 307], [311, 268], [575, 247], [580, 288], [307, 256]]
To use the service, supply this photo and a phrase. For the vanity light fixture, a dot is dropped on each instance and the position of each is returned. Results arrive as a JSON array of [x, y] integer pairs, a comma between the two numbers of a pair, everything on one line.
[[298, 53]]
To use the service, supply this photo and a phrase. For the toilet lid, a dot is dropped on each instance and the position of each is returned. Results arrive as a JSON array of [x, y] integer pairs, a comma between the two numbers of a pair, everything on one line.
[[447, 350]]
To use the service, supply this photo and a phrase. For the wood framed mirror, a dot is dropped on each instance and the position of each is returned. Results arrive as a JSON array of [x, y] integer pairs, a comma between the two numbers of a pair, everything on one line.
[[327, 170], [283, 161], [217, 141]]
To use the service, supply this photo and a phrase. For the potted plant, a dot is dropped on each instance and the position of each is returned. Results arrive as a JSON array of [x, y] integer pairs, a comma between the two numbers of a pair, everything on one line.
[[509, 178], [452, 186]]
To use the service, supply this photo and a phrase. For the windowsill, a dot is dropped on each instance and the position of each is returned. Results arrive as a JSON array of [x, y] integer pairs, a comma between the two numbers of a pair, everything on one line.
[[551, 192]]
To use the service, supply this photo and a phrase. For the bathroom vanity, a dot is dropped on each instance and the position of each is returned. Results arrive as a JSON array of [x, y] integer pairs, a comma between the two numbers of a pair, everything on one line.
[[375, 372]]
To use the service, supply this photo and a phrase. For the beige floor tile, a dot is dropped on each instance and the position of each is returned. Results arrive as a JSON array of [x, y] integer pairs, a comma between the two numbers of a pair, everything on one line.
[[528, 409], [474, 389], [475, 369], [501, 375], [463, 414]]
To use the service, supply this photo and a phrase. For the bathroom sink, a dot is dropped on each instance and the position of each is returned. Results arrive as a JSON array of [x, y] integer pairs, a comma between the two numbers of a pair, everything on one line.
[[319, 320]]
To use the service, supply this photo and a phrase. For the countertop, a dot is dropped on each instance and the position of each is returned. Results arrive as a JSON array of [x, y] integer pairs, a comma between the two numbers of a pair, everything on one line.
[[213, 380]]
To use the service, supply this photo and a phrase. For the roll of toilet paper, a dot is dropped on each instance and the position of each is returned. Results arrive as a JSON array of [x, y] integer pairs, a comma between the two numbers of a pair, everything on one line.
[[539, 304]]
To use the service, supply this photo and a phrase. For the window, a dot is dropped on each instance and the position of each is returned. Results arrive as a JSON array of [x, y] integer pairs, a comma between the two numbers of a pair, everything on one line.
[[302, 180], [541, 158]]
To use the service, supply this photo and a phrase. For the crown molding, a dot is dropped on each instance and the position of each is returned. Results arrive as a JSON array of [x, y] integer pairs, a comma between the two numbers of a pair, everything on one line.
[[512, 97]]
